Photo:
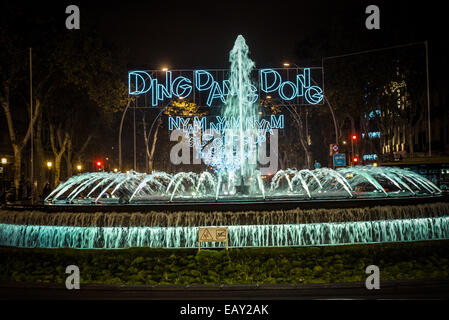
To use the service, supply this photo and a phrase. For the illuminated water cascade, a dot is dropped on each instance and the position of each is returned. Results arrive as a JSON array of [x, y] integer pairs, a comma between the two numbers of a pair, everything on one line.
[[322, 183], [314, 234]]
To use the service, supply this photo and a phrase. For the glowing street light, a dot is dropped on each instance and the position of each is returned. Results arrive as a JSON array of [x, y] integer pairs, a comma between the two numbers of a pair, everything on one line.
[[164, 69], [286, 64], [49, 164], [4, 161], [79, 167], [115, 170]]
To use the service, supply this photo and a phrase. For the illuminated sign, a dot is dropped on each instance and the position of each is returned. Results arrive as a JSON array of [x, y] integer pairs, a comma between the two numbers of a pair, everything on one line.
[[372, 135], [211, 87], [215, 140], [374, 114], [370, 157], [222, 124], [339, 160]]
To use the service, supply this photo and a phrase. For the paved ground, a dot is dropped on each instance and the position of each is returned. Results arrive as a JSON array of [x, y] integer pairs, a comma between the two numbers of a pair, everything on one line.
[[416, 289]]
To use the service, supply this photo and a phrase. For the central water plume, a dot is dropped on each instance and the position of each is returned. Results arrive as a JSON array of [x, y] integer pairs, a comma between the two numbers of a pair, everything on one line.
[[240, 139]]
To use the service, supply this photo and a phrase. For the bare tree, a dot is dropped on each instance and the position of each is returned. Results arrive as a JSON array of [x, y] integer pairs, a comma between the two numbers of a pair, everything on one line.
[[58, 140], [17, 143]]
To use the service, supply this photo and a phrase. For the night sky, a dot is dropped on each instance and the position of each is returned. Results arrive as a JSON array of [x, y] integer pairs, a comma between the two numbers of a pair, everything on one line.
[[197, 34]]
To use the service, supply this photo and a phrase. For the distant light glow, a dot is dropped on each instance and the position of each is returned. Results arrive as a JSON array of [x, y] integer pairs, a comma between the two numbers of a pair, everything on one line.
[[375, 134]]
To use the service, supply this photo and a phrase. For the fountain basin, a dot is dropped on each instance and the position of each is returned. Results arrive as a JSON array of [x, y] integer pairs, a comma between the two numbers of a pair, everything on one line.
[[296, 227]]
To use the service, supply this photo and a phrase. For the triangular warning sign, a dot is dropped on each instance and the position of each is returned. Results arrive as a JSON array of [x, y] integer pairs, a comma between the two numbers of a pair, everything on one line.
[[206, 235]]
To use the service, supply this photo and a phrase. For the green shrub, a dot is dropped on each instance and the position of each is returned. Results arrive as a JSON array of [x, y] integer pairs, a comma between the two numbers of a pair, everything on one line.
[[234, 266]]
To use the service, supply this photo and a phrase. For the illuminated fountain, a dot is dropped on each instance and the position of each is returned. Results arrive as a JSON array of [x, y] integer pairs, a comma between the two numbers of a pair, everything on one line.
[[236, 181], [159, 187], [236, 175]]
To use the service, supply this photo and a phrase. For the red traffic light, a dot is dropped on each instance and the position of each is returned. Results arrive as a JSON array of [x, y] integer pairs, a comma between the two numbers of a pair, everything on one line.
[[355, 159], [354, 137], [99, 163]]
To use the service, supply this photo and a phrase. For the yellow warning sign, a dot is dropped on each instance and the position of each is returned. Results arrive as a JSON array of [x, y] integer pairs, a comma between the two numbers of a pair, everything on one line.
[[209, 234], [221, 234], [206, 236]]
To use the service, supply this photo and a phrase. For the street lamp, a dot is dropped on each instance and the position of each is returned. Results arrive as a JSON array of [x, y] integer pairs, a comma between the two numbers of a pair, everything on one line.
[[286, 64], [164, 69], [3, 183], [79, 167], [49, 165]]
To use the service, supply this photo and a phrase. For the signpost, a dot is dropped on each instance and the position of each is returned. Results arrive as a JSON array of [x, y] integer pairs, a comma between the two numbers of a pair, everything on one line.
[[339, 159], [212, 234], [333, 148]]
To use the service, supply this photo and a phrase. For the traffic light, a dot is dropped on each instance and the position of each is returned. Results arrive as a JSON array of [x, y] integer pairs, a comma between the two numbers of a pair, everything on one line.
[[354, 137], [99, 164], [355, 160]]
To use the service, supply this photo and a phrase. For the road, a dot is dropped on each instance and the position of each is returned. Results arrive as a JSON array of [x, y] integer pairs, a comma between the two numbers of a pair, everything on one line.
[[416, 289]]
